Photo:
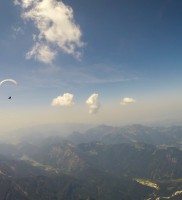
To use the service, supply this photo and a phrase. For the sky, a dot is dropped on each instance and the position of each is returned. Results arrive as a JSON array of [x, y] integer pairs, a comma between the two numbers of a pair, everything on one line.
[[101, 62]]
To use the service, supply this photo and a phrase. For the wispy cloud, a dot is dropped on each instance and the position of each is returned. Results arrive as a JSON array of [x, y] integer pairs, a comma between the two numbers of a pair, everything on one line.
[[93, 103], [127, 101], [17, 30], [65, 100], [42, 53], [56, 29], [98, 74]]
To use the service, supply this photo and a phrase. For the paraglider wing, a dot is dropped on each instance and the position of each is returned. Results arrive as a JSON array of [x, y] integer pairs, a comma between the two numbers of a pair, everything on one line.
[[8, 80]]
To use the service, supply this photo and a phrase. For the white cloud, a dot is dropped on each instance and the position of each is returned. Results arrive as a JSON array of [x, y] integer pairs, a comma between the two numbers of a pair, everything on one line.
[[93, 103], [42, 53], [18, 30], [127, 101], [16, 2], [65, 100], [56, 27]]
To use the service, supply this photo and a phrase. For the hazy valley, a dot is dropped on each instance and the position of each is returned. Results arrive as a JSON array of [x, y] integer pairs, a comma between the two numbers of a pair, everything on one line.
[[131, 162]]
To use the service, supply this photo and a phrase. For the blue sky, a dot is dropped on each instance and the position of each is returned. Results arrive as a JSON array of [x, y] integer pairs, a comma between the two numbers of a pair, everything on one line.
[[113, 49]]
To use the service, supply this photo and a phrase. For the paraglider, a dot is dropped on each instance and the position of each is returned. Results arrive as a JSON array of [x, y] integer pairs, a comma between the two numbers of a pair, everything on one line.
[[8, 80]]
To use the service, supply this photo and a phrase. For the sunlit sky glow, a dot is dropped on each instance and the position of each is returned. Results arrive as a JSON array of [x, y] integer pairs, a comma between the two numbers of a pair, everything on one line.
[[113, 62]]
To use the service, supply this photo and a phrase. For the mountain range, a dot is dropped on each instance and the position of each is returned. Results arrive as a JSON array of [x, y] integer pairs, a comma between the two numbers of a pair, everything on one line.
[[103, 163]]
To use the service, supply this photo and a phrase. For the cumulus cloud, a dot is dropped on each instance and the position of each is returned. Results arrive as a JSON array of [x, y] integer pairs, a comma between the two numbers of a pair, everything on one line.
[[93, 103], [56, 28], [42, 53], [127, 101], [65, 100]]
